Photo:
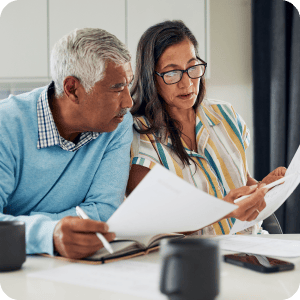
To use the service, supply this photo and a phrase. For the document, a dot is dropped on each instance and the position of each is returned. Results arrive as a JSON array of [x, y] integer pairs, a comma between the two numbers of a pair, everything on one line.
[[259, 245], [276, 196], [161, 206], [128, 277], [165, 203]]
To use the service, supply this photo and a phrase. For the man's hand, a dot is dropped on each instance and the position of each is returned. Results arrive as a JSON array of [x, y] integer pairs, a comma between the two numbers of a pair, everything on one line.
[[75, 238], [274, 175], [250, 207]]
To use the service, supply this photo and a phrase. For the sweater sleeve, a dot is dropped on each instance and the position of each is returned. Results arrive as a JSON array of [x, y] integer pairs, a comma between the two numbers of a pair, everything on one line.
[[107, 190], [38, 229], [108, 187]]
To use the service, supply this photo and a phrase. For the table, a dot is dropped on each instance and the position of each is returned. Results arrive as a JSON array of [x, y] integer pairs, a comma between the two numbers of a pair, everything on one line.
[[236, 283]]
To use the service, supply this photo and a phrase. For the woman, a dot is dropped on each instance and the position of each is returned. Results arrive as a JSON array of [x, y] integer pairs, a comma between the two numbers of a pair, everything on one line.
[[200, 140]]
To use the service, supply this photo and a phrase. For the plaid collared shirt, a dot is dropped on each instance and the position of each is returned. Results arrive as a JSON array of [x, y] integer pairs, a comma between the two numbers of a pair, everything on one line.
[[48, 134]]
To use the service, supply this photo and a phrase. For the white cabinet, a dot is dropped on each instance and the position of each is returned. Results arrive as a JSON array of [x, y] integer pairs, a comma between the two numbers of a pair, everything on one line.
[[143, 14], [23, 36], [29, 28], [66, 15]]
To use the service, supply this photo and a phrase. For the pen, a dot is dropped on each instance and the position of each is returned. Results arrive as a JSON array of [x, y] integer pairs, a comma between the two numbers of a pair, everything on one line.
[[83, 215], [270, 185]]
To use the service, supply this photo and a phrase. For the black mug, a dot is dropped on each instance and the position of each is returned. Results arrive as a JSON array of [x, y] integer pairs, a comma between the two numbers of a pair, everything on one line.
[[12, 245], [190, 269]]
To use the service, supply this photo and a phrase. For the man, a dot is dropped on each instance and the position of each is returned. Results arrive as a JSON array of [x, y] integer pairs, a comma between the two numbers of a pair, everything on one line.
[[69, 144]]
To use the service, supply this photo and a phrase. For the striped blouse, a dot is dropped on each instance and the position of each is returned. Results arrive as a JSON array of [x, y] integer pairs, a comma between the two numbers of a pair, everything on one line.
[[222, 139]]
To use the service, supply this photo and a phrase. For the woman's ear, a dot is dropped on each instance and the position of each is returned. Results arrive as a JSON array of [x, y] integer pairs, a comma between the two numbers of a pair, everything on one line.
[[71, 85]]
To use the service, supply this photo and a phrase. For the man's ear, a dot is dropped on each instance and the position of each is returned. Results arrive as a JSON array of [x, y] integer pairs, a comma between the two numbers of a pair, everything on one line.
[[71, 85]]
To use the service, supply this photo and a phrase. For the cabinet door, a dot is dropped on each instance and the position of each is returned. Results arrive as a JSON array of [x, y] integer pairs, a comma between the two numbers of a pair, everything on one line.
[[23, 36], [66, 15], [143, 14]]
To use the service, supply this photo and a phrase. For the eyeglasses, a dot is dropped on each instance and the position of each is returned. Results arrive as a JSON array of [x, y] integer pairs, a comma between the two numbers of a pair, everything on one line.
[[175, 76]]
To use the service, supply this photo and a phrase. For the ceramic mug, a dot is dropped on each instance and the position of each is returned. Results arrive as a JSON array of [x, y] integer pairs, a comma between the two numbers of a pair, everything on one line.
[[190, 269], [12, 245]]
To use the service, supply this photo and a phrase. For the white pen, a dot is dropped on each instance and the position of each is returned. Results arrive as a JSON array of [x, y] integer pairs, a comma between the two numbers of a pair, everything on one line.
[[270, 185], [83, 215]]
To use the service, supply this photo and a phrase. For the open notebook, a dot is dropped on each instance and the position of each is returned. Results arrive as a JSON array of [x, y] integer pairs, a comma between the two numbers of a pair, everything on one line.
[[124, 248]]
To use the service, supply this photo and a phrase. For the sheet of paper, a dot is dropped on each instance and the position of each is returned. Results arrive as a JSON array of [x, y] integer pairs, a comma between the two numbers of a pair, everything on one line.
[[128, 277], [257, 245], [276, 196], [164, 203]]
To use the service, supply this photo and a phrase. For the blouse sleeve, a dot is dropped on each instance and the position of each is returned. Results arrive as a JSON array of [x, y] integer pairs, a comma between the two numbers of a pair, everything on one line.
[[244, 130], [143, 151]]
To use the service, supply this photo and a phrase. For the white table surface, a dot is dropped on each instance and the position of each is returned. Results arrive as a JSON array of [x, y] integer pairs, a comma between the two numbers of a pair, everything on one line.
[[236, 283]]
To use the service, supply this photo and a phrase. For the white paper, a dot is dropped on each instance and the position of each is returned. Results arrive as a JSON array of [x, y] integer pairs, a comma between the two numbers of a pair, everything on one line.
[[262, 246], [128, 277], [276, 196], [164, 203]]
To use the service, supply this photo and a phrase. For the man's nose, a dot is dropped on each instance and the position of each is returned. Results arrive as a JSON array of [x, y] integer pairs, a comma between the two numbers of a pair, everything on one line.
[[127, 100]]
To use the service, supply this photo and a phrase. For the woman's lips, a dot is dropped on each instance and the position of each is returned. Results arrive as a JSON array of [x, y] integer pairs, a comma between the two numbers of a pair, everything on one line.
[[186, 96]]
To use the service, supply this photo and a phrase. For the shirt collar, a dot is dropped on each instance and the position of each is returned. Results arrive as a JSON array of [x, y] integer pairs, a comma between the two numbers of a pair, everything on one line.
[[48, 134], [202, 133], [212, 117]]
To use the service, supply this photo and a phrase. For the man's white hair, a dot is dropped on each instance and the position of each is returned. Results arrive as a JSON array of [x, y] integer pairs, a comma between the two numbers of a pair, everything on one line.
[[83, 53]]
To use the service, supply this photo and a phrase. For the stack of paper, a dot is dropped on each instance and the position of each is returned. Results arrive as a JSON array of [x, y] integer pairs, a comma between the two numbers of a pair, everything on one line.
[[259, 245], [276, 196]]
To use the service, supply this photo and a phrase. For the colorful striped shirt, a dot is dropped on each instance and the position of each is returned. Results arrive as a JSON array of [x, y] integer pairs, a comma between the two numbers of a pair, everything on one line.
[[222, 138]]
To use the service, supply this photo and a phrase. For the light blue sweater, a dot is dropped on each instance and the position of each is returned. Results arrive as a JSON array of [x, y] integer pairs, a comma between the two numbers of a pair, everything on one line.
[[41, 186]]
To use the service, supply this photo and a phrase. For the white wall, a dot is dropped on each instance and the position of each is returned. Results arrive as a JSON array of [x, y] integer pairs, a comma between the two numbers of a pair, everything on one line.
[[230, 59]]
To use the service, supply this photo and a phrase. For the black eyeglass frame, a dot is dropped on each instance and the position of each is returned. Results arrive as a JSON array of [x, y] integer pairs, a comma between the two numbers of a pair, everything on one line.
[[183, 71]]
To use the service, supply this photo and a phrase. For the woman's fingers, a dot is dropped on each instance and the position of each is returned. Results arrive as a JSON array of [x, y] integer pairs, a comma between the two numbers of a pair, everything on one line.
[[262, 205], [237, 193], [253, 215], [248, 207], [274, 175]]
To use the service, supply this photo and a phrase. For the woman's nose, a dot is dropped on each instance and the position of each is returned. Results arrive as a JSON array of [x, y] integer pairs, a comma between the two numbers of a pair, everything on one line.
[[185, 81]]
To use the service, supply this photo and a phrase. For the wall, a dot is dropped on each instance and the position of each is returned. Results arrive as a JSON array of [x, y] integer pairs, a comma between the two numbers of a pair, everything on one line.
[[230, 59]]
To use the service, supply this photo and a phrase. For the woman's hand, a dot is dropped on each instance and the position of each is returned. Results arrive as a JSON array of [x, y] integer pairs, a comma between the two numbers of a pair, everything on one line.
[[250, 207], [274, 175]]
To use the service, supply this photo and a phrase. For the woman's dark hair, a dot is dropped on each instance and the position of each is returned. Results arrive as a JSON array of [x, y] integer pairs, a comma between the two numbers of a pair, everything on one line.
[[147, 102]]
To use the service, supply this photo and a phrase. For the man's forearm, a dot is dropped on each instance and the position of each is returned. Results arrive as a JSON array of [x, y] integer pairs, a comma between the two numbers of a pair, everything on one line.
[[38, 231]]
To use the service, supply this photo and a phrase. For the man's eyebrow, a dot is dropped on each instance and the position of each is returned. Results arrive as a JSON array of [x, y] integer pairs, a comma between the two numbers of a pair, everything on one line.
[[121, 84], [118, 85], [176, 66]]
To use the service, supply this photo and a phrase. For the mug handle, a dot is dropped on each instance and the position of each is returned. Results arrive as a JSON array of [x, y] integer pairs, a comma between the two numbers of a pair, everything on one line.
[[164, 273]]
